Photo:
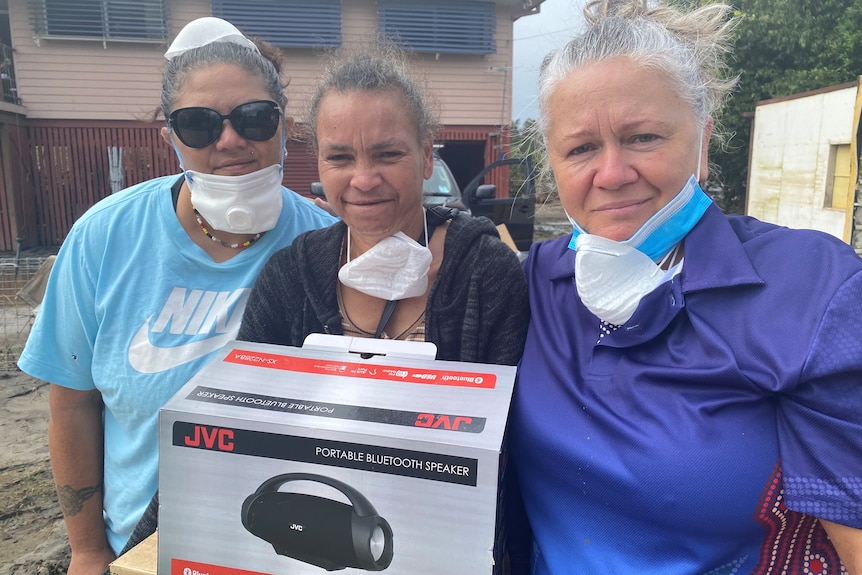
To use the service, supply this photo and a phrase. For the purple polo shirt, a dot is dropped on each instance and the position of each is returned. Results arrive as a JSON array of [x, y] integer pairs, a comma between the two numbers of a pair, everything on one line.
[[679, 443]]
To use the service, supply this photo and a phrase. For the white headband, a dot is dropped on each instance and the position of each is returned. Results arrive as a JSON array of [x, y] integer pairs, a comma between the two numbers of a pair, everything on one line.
[[205, 31]]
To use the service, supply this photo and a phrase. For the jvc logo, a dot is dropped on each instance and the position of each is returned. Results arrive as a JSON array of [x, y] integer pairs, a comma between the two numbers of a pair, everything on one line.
[[445, 421], [210, 438], [296, 527]]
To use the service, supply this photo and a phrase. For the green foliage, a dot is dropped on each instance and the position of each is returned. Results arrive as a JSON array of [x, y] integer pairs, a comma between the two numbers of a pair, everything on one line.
[[782, 47]]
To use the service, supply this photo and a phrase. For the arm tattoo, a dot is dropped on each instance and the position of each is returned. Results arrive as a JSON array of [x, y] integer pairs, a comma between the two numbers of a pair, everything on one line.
[[72, 500]]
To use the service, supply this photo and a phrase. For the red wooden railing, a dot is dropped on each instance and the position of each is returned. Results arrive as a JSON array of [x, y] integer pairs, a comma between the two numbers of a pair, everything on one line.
[[62, 168], [71, 168]]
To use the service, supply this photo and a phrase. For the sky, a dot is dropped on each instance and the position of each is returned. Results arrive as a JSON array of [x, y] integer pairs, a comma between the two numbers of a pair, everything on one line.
[[535, 36]]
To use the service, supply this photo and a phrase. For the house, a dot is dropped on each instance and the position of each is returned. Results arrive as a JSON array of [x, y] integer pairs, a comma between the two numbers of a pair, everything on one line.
[[804, 165], [81, 82]]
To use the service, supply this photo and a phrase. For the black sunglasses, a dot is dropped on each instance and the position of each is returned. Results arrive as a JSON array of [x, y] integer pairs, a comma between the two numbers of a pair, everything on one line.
[[199, 127]]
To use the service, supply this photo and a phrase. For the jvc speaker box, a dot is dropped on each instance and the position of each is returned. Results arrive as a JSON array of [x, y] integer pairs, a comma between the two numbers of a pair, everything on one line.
[[279, 460]]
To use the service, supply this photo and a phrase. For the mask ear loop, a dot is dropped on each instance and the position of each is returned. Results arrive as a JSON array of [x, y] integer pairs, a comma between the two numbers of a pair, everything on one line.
[[675, 250], [176, 149], [670, 257], [186, 174], [283, 139], [425, 221], [424, 237]]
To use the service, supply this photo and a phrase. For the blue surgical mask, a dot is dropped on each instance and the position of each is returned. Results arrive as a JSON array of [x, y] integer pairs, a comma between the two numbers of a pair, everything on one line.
[[659, 234]]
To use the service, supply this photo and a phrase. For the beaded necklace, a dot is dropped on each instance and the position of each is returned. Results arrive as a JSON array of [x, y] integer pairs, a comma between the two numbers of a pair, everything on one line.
[[235, 246]]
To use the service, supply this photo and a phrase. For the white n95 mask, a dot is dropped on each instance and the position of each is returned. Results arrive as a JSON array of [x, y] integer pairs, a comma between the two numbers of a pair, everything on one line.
[[394, 268], [612, 277], [245, 204], [205, 31]]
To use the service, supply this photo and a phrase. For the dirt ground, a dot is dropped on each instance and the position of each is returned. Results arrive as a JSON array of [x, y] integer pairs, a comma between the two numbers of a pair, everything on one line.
[[551, 220], [32, 534]]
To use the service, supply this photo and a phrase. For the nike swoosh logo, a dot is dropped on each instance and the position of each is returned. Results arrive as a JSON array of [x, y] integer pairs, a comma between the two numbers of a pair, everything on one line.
[[148, 358]]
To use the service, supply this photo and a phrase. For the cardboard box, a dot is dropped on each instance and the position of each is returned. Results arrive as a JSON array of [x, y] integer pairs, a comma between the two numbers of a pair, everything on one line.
[[139, 560], [277, 460], [506, 237]]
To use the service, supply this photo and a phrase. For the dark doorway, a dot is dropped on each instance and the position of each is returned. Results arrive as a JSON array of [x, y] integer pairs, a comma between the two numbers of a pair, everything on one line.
[[465, 159]]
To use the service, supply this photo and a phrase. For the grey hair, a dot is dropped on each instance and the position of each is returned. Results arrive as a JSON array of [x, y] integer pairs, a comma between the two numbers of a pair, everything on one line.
[[183, 65], [384, 70], [689, 47]]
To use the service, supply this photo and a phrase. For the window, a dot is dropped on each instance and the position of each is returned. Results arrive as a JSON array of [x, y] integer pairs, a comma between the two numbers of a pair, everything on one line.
[[838, 177], [285, 23], [99, 19], [458, 26]]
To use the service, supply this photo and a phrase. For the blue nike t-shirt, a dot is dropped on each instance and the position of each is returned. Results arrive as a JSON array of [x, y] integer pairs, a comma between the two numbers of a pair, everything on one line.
[[133, 309]]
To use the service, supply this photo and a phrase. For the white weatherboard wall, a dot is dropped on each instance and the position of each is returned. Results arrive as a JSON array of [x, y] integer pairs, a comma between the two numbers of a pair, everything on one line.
[[61, 79], [789, 162]]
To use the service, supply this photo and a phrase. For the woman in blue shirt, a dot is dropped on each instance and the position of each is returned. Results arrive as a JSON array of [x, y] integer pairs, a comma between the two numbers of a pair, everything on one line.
[[152, 280]]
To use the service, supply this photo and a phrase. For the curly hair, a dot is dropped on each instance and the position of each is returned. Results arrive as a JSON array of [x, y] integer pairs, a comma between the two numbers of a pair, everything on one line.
[[379, 69]]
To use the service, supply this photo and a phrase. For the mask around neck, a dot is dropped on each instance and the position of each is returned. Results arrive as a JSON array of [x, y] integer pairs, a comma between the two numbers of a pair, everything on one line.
[[245, 204], [612, 277], [394, 268], [668, 226]]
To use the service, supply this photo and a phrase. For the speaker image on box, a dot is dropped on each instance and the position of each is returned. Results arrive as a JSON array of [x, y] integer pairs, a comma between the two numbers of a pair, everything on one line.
[[316, 530]]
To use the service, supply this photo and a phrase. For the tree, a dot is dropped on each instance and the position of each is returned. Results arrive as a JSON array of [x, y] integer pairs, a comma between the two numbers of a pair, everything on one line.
[[782, 47]]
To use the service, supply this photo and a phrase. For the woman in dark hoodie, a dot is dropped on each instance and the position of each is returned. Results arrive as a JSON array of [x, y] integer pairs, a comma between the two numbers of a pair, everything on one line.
[[391, 268]]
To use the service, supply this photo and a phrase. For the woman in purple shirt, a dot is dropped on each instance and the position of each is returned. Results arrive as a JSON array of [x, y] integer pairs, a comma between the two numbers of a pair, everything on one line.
[[690, 395]]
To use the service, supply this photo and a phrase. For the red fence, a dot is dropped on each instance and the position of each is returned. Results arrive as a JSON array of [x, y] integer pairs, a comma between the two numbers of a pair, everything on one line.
[[71, 168], [67, 167]]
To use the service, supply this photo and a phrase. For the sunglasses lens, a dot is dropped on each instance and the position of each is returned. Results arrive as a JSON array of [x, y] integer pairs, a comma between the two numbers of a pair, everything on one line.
[[256, 121], [197, 127], [200, 127]]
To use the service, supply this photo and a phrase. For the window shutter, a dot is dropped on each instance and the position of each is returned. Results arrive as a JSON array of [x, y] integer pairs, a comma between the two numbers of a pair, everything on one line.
[[458, 26], [286, 23], [136, 19], [99, 19], [82, 18]]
